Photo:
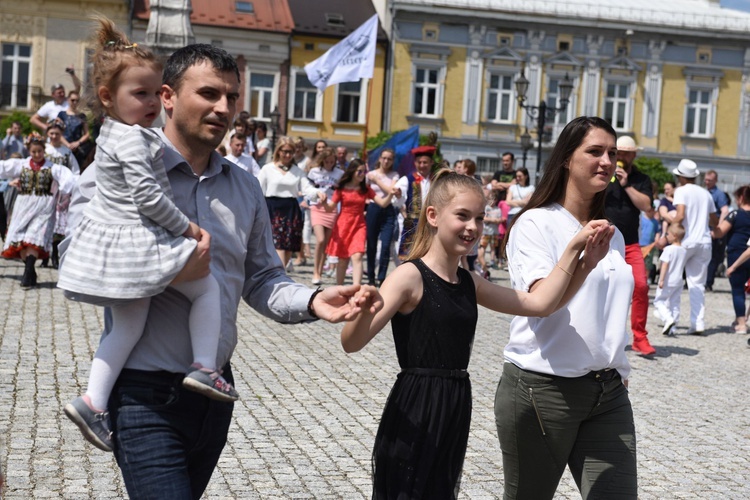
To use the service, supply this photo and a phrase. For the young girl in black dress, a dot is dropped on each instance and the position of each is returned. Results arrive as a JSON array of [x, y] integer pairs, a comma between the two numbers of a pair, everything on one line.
[[432, 305]]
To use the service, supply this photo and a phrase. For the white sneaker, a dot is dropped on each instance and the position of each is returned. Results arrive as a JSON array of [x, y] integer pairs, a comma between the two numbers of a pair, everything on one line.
[[667, 330]]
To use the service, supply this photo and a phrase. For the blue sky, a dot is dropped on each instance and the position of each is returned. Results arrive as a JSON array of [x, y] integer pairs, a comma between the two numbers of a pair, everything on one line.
[[736, 4]]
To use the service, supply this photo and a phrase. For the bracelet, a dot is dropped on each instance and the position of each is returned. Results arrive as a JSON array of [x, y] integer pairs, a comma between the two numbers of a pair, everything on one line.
[[310, 309], [563, 270]]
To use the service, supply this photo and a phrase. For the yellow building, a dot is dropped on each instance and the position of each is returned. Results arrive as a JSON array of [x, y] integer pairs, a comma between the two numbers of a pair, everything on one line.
[[339, 114], [675, 76], [39, 41]]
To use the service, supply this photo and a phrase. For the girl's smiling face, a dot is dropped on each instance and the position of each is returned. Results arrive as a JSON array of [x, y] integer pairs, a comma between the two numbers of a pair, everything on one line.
[[37, 153], [459, 223]]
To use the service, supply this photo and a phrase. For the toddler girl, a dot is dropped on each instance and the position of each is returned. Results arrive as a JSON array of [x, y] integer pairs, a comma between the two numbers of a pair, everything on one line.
[[132, 240]]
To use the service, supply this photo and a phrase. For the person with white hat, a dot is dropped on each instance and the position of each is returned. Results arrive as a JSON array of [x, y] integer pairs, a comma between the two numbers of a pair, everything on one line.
[[628, 194], [695, 211]]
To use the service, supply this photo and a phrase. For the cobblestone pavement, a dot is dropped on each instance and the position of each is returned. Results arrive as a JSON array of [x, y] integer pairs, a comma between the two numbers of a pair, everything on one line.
[[306, 421]]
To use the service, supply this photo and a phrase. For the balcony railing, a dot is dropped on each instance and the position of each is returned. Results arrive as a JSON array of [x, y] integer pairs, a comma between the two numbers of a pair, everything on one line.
[[25, 97]]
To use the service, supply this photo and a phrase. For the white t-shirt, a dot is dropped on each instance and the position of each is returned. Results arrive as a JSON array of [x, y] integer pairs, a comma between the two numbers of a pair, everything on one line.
[[245, 162], [387, 178], [403, 185], [519, 192], [264, 143], [50, 110], [589, 333], [274, 182], [698, 205], [676, 257]]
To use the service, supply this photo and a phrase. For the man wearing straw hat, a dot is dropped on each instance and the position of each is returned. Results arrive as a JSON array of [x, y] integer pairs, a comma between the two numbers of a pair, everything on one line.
[[628, 194], [695, 211]]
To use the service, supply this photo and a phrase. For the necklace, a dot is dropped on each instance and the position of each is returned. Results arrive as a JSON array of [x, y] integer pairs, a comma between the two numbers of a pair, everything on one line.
[[283, 167]]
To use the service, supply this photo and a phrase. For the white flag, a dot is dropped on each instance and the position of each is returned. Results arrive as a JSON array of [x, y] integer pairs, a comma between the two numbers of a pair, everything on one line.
[[347, 61]]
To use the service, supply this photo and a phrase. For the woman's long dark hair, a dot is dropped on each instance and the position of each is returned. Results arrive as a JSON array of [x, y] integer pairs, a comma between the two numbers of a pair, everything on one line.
[[349, 174], [551, 188]]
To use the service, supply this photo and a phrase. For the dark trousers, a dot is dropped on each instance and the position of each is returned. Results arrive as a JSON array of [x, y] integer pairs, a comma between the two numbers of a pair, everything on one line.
[[167, 440], [381, 224], [737, 281], [718, 250], [546, 422]]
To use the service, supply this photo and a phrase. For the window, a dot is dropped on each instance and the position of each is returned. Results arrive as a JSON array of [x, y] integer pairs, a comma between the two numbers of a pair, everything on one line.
[[261, 95], [427, 92], [305, 98], [500, 101], [347, 109], [15, 76], [699, 112], [244, 7], [618, 106], [334, 19]]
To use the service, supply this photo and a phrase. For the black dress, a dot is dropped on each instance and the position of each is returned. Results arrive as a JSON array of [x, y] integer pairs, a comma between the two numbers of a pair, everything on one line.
[[421, 442]]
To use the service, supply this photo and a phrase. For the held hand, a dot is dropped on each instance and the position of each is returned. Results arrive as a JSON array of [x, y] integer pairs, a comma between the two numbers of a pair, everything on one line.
[[597, 246], [368, 299], [193, 231], [337, 303], [322, 196], [197, 265]]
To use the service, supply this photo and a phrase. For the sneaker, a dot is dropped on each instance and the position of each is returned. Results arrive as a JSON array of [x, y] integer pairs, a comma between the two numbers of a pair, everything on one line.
[[667, 330], [210, 383], [644, 347], [695, 331], [289, 267], [93, 425]]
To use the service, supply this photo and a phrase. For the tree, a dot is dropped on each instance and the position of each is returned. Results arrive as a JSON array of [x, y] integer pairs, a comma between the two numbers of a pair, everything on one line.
[[654, 168], [16, 116]]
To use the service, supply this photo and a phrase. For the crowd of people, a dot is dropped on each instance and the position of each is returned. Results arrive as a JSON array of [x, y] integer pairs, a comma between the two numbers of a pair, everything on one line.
[[170, 228]]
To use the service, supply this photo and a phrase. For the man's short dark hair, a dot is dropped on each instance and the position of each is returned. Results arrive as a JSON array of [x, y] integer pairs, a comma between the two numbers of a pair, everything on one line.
[[239, 137], [192, 55], [512, 156]]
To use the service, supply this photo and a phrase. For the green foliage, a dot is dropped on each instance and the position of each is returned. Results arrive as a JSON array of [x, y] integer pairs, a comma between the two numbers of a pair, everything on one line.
[[379, 140], [654, 168], [16, 116]]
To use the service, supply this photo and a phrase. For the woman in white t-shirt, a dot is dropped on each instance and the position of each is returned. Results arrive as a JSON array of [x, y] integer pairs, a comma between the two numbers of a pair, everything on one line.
[[518, 194], [562, 399]]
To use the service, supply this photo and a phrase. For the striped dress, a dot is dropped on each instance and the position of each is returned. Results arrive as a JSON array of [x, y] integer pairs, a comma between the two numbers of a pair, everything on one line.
[[128, 244]]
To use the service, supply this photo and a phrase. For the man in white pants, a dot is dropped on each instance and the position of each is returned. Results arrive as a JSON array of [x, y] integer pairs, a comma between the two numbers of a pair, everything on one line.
[[695, 211]]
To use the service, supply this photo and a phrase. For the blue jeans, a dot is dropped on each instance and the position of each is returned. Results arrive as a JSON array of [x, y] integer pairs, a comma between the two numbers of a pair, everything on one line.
[[381, 224], [737, 280], [546, 422], [167, 440]]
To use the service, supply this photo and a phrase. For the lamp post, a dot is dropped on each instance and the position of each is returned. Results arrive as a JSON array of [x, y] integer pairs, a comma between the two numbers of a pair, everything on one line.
[[540, 112], [526, 144], [275, 117]]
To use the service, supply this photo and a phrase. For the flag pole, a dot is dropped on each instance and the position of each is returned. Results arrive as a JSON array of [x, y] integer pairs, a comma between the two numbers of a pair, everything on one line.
[[367, 118]]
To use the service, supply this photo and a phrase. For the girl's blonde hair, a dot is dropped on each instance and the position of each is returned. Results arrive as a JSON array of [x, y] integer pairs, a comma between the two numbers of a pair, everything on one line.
[[114, 54], [325, 153], [445, 185]]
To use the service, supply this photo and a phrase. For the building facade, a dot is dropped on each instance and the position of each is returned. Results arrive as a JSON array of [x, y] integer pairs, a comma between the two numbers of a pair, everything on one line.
[[338, 115], [674, 75], [38, 42], [256, 33]]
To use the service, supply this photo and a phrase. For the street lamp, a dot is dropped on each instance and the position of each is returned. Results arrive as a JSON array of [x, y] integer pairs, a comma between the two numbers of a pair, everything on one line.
[[526, 144], [540, 112], [275, 117]]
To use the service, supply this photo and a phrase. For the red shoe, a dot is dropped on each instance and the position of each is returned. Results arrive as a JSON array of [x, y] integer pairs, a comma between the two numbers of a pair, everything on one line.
[[644, 347]]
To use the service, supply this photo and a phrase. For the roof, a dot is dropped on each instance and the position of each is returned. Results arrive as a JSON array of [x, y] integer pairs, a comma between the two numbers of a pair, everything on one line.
[[335, 18], [685, 14], [269, 15]]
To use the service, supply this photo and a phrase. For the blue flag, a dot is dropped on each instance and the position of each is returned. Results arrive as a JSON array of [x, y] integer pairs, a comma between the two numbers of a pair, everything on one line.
[[401, 143]]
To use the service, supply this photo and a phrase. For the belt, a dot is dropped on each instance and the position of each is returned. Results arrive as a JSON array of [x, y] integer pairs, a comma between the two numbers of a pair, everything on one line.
[[603, 375], [437, 372]]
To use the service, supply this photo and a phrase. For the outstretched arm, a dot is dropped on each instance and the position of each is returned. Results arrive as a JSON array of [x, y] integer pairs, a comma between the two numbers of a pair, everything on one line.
[[549, 294], [396, 294]]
